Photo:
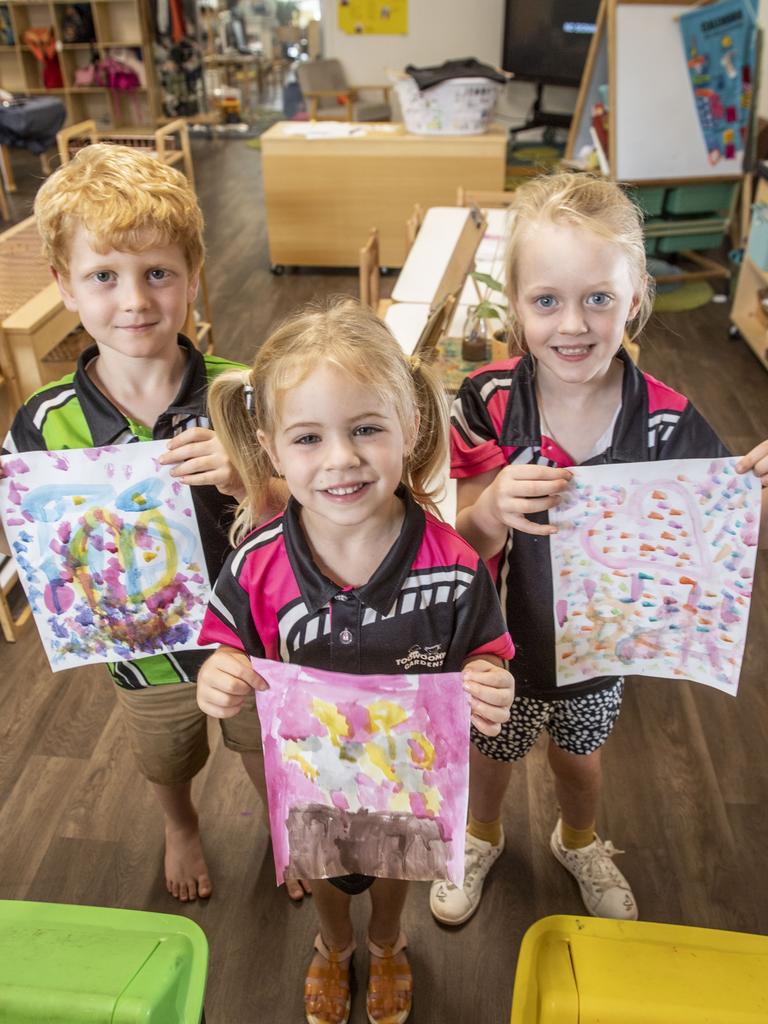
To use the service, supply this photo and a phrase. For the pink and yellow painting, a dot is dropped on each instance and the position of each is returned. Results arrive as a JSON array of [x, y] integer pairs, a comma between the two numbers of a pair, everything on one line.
[[365, 774], [108, 552], [652, 567]]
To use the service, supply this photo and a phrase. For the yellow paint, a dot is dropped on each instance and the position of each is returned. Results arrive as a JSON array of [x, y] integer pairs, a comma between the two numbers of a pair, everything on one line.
[[428, 751], [399, 803], [329, 716], [77, 500], [150, 556], [378, 760], [384, 715], [292, 752], [138, 498], [432, 800]]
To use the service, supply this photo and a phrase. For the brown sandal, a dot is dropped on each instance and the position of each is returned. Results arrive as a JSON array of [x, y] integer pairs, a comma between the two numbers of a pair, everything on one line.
[[327, 993], [390, 983]]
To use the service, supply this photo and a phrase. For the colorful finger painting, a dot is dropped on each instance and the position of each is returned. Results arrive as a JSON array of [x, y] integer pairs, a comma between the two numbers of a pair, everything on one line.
[[365, 774], [652, 567], [108, 551]]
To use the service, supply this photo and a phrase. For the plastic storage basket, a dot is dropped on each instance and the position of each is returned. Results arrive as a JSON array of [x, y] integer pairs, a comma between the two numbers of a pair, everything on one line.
[[459, 106], [757, 247]]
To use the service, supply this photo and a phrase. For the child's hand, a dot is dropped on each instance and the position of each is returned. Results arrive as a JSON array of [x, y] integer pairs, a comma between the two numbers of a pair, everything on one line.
[[225, 681], [491, 689], [517, 491], [756, 460], [198, 457]]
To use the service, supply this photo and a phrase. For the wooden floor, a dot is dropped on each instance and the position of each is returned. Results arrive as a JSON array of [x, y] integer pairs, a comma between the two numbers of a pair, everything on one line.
[[686, 787]]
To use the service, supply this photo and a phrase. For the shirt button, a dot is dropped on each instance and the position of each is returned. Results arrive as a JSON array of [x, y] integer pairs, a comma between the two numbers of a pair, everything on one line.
[[345, 636]]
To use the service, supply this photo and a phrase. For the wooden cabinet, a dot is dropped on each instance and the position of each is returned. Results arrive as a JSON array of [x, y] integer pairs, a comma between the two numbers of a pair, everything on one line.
[[323, 195], [118, 25], [746, 313]]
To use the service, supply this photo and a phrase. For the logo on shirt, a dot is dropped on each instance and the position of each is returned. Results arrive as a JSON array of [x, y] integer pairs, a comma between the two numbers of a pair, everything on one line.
[[426, 657]]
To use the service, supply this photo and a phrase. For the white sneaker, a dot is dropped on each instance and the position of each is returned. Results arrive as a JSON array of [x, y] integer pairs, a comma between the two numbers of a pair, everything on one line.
[[452, 905], [604, 890]]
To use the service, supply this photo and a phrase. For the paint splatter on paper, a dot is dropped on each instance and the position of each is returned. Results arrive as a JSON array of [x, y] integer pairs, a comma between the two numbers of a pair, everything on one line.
[[108, 552], [365, 774], [652, 569]]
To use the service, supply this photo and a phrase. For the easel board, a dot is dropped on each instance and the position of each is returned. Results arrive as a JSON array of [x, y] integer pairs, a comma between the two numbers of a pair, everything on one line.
[[442, 255], [654, 129]]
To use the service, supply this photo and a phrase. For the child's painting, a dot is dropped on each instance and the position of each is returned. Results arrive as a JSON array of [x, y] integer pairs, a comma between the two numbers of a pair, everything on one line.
[[108, 551], [652, 568], [365, 774]]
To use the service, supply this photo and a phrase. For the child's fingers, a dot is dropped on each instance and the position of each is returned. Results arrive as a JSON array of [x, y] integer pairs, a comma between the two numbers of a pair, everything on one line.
[[484, 726], [517, 521], [193, 435], [186, 453]]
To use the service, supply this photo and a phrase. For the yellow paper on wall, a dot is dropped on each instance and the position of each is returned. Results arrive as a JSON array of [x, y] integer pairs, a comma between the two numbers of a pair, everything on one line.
[[373, 17]]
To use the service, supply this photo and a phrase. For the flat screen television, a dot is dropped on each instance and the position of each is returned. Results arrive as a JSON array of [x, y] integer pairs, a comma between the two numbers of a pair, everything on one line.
[[547, 40]]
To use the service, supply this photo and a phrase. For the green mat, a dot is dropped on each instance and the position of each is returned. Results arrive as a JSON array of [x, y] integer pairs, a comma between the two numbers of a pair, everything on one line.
[[685, 296]]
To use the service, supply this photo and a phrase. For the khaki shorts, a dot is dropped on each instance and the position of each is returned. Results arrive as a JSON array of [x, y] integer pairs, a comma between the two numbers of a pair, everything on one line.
[[168, 732]]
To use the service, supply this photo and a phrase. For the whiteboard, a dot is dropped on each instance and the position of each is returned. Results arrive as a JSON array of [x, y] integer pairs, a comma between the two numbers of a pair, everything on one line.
[[657, 128]]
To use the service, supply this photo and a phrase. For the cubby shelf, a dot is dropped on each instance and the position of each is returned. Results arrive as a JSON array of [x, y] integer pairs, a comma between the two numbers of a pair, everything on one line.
[[118, 24]]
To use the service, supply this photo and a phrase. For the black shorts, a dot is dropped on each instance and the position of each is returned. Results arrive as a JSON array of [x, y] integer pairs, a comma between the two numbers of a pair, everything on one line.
[[353, 885], [579, 725]]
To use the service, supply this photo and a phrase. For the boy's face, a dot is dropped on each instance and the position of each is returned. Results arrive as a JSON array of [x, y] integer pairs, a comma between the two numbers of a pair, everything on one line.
[[133, 303]]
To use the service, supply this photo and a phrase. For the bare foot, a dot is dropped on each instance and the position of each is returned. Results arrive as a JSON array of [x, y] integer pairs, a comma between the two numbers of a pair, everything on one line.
[[297, 889], [186, 872]]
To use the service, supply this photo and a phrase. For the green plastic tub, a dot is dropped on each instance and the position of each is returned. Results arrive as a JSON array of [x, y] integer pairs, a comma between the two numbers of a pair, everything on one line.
[[63, 964]]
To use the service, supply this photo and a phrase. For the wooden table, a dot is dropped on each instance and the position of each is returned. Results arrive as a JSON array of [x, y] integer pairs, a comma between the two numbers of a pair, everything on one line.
[[323, 195]]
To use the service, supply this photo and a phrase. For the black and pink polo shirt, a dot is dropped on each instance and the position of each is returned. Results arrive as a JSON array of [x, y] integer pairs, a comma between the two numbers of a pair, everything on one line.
[[429, 606], [494, 423]]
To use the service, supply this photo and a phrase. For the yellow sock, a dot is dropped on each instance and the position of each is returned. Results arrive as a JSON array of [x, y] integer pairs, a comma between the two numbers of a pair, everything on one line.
[[576, 838], [487, 831]]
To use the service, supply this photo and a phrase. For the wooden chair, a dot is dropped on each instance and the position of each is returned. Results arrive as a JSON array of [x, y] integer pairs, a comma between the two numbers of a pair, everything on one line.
[[412, 226], [170, 144], [8, 580], [473, 197], [369, 271], [328, 95], [435, 328]]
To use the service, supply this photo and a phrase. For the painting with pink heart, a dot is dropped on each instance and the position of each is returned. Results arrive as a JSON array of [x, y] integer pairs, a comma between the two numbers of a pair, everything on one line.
[[365, 774], [652, 570]]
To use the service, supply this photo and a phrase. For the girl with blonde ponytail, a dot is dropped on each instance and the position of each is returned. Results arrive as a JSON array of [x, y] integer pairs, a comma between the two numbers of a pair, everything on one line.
[[357, 575]]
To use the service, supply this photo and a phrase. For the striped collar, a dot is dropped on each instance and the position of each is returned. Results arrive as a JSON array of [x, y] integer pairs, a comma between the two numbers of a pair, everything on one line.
[[381, 590], [522, 425], [109, 426]]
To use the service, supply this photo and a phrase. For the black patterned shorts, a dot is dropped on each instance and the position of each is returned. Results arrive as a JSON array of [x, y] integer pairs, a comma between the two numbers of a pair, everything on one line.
[[577, 724]]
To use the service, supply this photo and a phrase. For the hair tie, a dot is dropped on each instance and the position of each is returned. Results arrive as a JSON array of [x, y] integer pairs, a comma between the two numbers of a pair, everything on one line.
[[415, 363], [248, 396]]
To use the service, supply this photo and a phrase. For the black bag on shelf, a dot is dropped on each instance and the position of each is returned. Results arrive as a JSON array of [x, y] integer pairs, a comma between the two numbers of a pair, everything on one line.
[[77, 24]]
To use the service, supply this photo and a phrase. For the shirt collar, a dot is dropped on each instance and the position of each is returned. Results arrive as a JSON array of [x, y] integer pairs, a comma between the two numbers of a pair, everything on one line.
[[523, 427], [381, 590], [109, 426]]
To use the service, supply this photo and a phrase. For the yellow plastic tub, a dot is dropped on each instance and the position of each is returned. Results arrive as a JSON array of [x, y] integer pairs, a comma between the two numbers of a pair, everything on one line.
[[581, 970]]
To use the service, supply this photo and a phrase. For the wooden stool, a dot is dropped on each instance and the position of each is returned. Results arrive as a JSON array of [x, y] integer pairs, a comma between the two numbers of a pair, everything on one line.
[[8, 580]]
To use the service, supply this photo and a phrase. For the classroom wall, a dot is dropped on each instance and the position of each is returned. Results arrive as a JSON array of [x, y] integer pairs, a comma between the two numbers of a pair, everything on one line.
[[438, 30], [441, 29]]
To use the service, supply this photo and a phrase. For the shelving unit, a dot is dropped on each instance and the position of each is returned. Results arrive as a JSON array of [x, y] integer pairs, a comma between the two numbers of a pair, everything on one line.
[[746, 313], [118, 25]]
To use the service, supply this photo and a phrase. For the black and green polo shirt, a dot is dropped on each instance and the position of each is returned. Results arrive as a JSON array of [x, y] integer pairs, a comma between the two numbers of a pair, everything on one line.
[[73, 413]]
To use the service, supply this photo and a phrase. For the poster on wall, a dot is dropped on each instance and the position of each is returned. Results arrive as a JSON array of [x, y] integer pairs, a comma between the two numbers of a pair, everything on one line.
[[720, 42], [373, 17], [652, 568], [108, 552], [365, 774]]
